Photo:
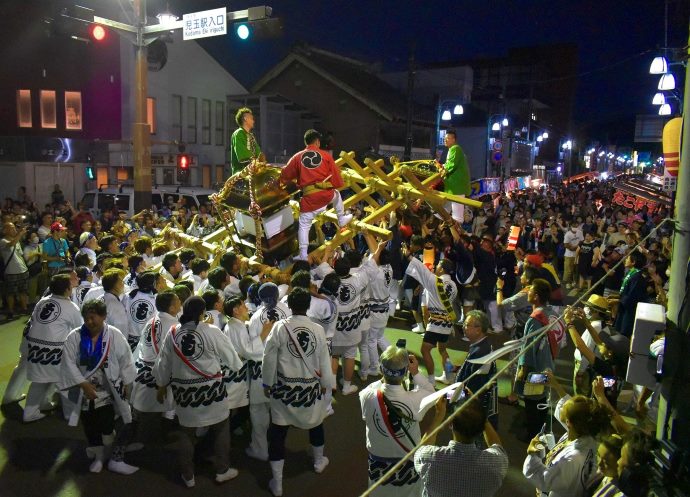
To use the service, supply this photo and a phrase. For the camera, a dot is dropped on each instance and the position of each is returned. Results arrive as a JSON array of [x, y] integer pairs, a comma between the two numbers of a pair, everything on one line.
[[401, 343]]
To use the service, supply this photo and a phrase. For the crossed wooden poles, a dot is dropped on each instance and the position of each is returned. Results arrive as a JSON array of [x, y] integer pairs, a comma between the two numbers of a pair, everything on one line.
[[401, 186]]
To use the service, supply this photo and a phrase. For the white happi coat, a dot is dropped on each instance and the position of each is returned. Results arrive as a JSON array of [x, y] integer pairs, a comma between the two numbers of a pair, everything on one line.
[[571, 472], [80, 292], [439, 319], [323, 311], [216, 318], [365, 298], [52, 320], [253, 347], [384, 451], [380, 278], [236, 382], [200, 399], [144, 390], [199, 285], [140, 310], [295, 379], [348, 330], [117, 370], [117, 314], [96, 292]]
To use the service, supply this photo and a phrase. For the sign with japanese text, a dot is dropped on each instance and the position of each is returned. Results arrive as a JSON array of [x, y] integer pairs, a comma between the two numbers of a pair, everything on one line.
[[632, 201], [204, 24]]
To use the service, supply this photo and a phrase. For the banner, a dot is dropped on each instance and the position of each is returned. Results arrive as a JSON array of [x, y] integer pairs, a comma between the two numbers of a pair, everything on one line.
[[484, 186], [632, 201]]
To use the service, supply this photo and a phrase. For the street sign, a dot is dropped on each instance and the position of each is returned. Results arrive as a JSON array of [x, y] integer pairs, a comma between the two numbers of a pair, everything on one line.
[[204, 24], [497, 146], [497, 157]]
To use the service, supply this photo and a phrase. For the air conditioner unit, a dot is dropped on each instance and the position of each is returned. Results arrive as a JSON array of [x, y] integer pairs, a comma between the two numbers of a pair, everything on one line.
[[650, 320]]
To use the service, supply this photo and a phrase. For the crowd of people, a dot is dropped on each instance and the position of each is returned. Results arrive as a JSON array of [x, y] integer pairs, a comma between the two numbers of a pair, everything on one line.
[[126, 329]]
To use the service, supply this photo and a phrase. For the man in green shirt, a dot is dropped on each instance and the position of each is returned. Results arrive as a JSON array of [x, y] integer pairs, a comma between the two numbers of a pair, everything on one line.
[[456, 174], [243, 145]]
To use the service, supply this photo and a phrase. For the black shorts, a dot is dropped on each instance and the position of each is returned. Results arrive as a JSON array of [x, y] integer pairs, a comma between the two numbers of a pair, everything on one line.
[[433, 338]]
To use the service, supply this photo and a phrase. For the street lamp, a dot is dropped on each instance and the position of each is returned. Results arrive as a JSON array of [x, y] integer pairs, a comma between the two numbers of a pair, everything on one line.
[[667, 82], [659, 66], [659, 99], [443, 114], [665, 110], [505, 122], [166, 17], [496, 127]]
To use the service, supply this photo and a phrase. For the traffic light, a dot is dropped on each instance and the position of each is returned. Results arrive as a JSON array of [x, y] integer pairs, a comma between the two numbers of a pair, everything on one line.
[[259, 29], [183, 163], [98, 32]]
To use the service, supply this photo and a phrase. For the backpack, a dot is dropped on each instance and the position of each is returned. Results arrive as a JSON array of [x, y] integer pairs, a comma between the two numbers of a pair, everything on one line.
[[556, 334]]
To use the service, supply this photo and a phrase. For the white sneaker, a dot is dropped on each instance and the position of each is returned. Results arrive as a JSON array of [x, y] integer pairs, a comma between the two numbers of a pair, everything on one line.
[[299, 258], [227, 476], [464, 339], [188, 483], [374, 372], [363, 375], [34, 417], [495, 332], [345, 220], [321, 465], [329, 411], [275, 487], [349, 390], [443, 379], [96, 466], [121, 467], [418, 329], [254, 455]]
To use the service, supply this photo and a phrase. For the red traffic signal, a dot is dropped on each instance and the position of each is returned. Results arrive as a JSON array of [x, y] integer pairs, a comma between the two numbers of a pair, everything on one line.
[[183, 161], [98, 32]]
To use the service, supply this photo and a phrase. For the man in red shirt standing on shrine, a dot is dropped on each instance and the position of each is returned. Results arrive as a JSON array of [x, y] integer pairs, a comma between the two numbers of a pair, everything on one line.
[[318, 177]]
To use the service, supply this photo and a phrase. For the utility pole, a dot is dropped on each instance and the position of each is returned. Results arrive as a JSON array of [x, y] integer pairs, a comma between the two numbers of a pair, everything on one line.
[[409, 138], [679, 424], [141, 134]]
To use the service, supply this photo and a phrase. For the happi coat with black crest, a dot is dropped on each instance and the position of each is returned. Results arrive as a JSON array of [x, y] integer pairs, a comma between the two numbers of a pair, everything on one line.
[[190, 362], [144, 391], [296, 367]]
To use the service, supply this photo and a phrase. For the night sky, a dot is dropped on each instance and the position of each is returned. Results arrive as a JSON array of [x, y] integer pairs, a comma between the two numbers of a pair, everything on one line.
[[616, 39]]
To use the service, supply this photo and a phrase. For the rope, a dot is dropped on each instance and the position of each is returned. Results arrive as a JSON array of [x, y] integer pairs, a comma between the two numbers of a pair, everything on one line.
[[537, 333]]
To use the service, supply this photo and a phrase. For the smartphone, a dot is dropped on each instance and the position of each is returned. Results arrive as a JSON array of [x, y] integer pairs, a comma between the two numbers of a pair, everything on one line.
[[609, 382], [539, 378], [401, 343]]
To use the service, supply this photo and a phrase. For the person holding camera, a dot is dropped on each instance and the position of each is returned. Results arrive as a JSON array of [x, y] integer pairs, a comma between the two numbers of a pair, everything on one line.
[[461, 467], [568, 468], [391, 414], [15, 276]]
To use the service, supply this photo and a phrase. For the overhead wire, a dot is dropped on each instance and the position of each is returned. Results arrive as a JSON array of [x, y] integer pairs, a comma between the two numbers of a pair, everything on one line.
[[537, 334]]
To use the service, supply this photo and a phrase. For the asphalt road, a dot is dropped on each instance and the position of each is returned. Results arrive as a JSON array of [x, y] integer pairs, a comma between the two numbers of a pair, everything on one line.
[[47, 458]]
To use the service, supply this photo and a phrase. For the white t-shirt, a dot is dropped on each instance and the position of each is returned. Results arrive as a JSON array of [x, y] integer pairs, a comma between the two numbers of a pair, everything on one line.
[[16, 264]]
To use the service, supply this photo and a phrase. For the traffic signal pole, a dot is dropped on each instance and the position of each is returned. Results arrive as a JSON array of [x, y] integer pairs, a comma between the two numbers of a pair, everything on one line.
[[141, 35], [141, 133]]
